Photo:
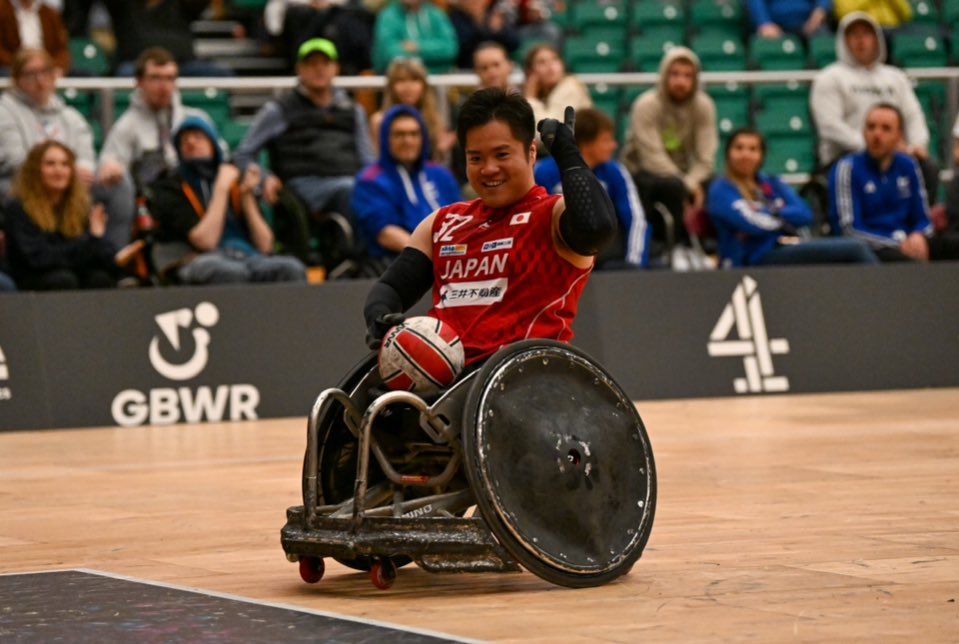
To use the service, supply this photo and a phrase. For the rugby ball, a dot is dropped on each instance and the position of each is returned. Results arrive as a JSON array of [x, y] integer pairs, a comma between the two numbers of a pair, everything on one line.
[[422, 354]]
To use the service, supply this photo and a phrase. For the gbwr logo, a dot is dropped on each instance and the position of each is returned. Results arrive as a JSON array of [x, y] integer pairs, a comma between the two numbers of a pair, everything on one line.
[[185, 335]]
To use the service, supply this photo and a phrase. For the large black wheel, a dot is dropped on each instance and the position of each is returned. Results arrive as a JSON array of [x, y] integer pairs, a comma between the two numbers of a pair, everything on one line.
[[560, 464]]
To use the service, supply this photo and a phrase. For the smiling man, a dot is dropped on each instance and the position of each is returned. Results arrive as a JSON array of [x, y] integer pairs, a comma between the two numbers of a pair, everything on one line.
[[511, 264]]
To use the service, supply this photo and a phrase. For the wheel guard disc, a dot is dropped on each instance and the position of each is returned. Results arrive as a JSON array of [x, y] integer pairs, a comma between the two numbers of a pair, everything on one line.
[[561, 453]]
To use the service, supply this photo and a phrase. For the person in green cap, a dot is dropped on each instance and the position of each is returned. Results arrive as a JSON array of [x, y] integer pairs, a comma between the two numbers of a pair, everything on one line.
[[317, 140]]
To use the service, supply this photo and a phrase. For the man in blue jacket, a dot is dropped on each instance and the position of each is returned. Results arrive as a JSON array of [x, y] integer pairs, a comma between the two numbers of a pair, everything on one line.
[[878, 196], [397, 192], [595, 138]]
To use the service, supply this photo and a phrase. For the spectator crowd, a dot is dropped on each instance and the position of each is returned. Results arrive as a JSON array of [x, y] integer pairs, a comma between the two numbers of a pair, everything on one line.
[[325, 183]]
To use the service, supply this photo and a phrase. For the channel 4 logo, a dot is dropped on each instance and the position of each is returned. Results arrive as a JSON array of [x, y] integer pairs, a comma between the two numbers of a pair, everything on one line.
[[741, 332]]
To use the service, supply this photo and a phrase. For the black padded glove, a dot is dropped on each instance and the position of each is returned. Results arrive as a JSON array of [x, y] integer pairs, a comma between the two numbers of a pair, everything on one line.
[[559, 142], [379, 327]]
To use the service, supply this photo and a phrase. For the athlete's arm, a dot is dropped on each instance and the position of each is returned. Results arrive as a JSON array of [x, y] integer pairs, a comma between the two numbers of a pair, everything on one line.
[[584, 220], [401, 286]]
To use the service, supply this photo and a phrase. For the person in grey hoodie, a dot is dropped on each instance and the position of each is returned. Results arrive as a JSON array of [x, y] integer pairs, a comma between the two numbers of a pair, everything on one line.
[[845, 91], [671, 144], [31, 112], [139, 149]]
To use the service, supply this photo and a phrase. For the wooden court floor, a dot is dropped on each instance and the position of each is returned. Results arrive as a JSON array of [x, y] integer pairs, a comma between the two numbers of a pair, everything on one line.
[[812, 518]]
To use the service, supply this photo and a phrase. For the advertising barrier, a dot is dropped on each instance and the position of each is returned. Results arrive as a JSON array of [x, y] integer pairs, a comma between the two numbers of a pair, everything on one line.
[[193, 354]]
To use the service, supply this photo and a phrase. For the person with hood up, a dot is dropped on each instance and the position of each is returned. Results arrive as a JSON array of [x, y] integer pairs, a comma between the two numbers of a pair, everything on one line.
[[393, 195], [210, 217], [844, 92], [671, 144]]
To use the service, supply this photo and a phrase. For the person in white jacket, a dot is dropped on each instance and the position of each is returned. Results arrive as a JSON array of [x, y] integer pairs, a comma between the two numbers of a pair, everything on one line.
[[843, 93]]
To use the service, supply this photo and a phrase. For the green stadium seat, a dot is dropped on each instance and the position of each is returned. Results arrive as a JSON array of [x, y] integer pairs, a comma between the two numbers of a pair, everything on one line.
[[919, 50], [606, 98], [786, 52], [646, 49], [822, 50], [719, 52], [656, 14], [732, 112], [719, 13], [950, 13], [88, 57], [794, 90], [614, 35], [82, 101], [932, 95], [585, 55], [121, 101], [631, 93], [785, 116], [233, 132], [608, 13], [789, 154], [924, 12], [211, 100]]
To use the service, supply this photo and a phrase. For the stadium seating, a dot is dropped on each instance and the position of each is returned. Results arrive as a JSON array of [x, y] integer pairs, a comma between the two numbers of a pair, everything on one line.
[[919, 50], [646, 49], [822, 50], [655, 14], [789, 155], [725, 14], [88, 57], [606, 98], [785, 52], [719, 51], [591, 13], [588, 55]]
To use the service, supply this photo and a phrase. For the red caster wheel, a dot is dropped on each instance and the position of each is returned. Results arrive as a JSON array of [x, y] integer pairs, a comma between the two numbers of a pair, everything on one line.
[[312, 569], [383, 573]]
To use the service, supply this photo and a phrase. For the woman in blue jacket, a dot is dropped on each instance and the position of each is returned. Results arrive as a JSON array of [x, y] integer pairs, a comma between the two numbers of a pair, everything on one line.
[[392, 196], [760, 220]]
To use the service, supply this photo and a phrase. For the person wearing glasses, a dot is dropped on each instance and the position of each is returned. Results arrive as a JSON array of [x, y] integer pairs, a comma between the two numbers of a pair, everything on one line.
[[31, 112], [139, 148]]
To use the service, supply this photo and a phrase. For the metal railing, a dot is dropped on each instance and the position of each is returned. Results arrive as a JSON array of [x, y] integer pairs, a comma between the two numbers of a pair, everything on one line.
[[106, 87]]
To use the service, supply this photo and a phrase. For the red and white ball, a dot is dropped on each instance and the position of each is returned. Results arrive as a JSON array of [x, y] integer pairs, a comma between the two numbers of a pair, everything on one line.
[[422, 354]]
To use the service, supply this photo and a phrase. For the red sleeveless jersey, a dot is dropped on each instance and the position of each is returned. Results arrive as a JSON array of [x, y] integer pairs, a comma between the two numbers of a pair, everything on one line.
[[498, 277]]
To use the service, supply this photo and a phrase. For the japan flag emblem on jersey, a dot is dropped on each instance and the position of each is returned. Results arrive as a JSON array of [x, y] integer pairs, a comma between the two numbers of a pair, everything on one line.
[[519, 219]]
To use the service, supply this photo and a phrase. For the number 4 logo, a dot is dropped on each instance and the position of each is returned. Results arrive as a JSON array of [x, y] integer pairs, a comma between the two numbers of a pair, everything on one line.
[[750, 341]]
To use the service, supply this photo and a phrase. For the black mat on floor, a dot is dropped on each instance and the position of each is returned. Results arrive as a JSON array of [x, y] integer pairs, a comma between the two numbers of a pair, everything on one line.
[[76, 606]]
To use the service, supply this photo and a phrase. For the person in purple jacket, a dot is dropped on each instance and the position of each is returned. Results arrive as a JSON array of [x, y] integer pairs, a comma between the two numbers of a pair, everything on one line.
[[760, 220], [402, 187]]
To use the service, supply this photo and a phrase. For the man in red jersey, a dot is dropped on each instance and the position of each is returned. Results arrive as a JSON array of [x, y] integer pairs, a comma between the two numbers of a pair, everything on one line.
[[511, 264]]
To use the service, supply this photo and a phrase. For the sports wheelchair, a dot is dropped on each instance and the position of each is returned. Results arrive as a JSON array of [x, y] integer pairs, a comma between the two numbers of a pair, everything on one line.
[[540, 439]]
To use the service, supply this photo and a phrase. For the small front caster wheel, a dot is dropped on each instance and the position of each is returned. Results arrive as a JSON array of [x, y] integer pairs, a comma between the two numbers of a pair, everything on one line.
[[312, 569], [383, 573]]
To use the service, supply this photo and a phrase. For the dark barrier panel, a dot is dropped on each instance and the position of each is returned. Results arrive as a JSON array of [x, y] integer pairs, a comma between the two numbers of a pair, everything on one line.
[[157, 356], [808, 329], [24, 399]]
